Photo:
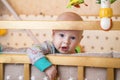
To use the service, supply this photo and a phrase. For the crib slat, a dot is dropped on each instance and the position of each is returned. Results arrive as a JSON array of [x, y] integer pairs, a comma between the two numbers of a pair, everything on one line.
[[80, 73], [26, 71], [1, 71], [110, 73]]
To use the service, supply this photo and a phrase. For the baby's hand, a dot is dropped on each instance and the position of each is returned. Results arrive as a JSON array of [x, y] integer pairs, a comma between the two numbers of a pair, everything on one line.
[[51, 72]]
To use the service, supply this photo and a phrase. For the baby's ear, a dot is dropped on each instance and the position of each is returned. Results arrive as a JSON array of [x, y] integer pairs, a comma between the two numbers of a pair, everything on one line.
[[53, 32], [81, 37]]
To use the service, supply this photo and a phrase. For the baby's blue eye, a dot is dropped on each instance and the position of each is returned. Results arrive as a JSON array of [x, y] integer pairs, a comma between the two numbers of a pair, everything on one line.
[[72, 38], [61, 35]]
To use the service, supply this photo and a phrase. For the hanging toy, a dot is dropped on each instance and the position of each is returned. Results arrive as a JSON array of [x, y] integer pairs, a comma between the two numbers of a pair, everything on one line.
[[75, 3], [3, 32], [105, 13], [99, 1]]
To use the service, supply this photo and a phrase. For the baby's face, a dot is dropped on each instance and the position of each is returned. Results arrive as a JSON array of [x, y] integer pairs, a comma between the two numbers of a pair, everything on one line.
[[66, 41]]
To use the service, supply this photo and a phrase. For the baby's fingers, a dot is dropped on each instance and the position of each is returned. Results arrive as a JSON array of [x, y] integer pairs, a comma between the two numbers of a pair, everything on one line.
[[52, 76]]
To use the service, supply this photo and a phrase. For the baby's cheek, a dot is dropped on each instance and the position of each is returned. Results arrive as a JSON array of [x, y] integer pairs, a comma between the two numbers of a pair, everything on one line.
[[56, 44], [72, 47]]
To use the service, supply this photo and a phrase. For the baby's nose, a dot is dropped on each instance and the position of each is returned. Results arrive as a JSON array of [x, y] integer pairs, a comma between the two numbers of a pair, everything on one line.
[[66, 41]]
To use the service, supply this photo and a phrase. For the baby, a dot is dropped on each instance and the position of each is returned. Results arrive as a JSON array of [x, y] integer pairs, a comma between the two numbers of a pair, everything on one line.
[[64, 42]]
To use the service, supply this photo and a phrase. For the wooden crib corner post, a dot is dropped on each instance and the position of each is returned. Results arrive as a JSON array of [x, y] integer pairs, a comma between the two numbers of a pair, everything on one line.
[[1, 72]]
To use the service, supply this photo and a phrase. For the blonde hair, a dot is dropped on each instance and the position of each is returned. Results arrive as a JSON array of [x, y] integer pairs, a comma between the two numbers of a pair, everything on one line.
[[69, 16]]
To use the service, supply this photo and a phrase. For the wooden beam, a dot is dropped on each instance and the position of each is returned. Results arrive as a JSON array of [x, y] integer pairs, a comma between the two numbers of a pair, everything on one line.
[[59, 25], [84, 61], [65, 60], [14, 58]]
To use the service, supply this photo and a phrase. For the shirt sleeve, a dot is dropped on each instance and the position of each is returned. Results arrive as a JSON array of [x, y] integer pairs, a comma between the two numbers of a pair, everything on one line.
[[37, 55]]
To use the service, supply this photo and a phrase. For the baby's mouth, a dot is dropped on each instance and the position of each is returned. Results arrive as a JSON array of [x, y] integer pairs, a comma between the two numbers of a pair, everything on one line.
[[64, 48]]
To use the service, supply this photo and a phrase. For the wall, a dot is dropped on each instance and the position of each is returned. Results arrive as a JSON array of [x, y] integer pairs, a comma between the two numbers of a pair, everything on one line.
[[55, 7]]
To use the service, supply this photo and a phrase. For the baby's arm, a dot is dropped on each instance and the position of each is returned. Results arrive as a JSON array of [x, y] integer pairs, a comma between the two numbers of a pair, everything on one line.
[[36, 55]]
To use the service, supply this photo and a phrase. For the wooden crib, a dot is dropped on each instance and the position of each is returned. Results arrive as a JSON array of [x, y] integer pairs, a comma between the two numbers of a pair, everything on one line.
[[80, 62], [109, 63]]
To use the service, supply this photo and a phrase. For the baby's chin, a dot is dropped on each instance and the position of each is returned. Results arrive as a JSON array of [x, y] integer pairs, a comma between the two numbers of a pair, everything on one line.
[[65, 52]]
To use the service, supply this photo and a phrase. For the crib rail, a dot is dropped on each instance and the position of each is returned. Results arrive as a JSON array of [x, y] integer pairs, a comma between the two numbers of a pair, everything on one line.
[[68, 25], [79, 61]]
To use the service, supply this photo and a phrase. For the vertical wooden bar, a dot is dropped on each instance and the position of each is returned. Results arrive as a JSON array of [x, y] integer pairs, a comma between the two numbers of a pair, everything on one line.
[[80, 73], [26, 71], [110, 74], [1, 71]]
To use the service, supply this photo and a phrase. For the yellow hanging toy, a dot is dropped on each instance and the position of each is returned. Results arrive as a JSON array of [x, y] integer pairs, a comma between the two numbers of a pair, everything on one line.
[[105, 13], [75, 3], [3, 32]]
